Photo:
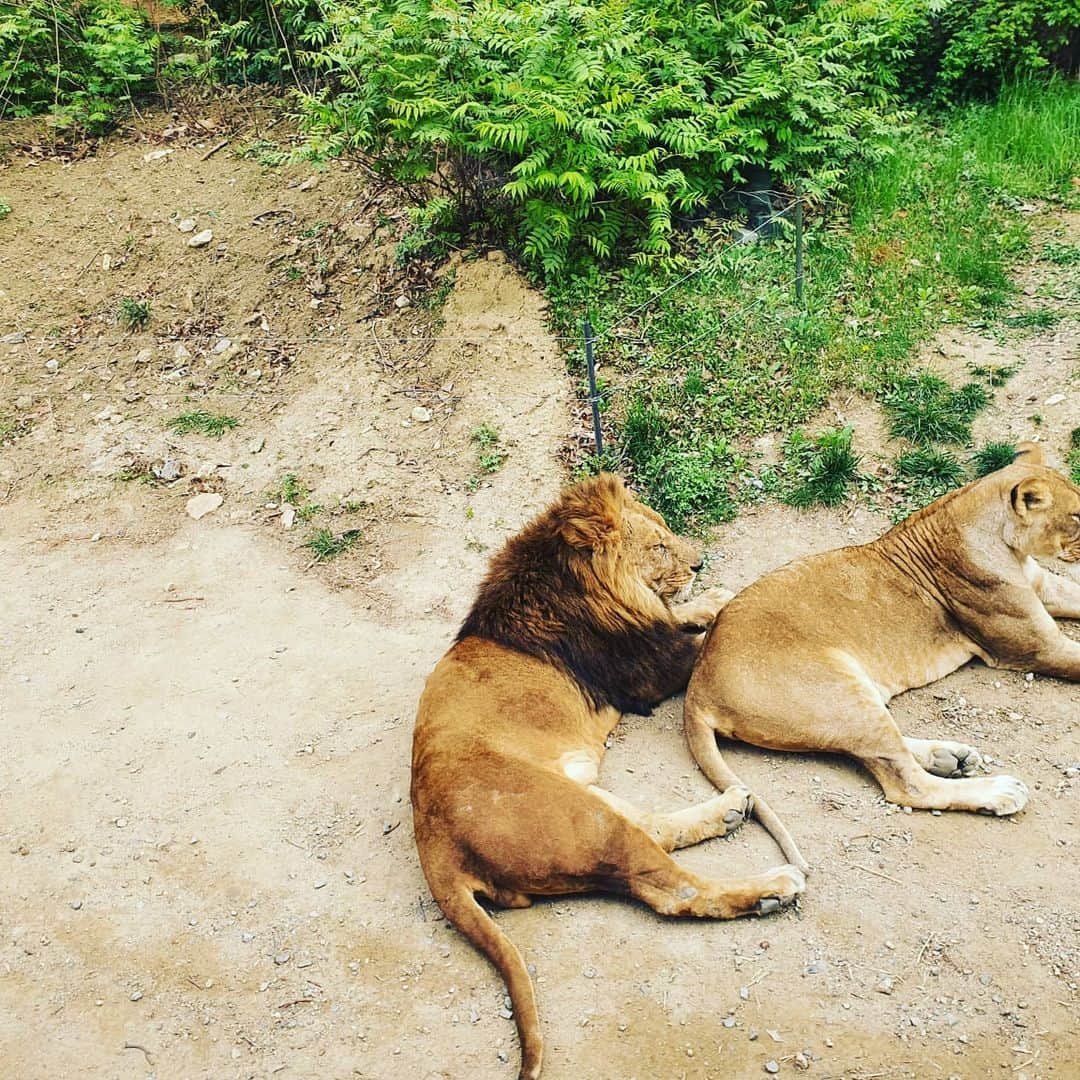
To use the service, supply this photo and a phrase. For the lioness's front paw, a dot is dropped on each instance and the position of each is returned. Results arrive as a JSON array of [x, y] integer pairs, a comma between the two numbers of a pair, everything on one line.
[[1006, 795], [954, 760], [783, 885]]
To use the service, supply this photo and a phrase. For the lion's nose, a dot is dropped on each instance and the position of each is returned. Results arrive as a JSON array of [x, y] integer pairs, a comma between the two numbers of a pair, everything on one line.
[[696, 566]]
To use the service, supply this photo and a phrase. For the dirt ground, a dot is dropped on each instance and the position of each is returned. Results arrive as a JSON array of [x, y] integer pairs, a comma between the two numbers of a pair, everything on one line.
[[208, 866]]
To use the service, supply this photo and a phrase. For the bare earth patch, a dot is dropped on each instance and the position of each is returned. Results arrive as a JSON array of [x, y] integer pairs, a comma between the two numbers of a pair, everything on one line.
[[204, 732]]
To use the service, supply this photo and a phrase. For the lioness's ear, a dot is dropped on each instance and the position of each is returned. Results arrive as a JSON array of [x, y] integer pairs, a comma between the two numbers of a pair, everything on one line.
[[1029, 453], [1031, 495], [591, 513]]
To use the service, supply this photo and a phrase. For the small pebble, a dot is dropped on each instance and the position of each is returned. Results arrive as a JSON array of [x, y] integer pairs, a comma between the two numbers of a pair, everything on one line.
[[772, 1068], [282, 958], [136, 995], [76, 904]]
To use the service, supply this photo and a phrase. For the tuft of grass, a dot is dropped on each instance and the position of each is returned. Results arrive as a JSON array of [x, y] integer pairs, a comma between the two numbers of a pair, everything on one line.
[[924, 408], [993, 456], [5, 209], [133, 314], [489, 453], [324, 545], [204, 423], [825, 467], [291, 490], [1040, 319], [927, 473]]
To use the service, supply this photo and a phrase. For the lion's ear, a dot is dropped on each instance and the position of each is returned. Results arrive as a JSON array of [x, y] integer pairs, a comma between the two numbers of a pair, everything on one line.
[[1031, 496], [1029, 453], [590, 516]]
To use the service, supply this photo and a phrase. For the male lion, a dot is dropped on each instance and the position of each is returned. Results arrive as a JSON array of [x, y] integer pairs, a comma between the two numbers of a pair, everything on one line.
[[808, 656], [577, 621]]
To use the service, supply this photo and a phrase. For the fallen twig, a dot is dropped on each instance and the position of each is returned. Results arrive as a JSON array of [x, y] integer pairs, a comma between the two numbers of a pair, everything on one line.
[[216, 147], [876, 873]]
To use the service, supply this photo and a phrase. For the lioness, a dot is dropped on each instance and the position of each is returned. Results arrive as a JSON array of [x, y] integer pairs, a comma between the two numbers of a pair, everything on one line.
[[807, 657], [577, 621]]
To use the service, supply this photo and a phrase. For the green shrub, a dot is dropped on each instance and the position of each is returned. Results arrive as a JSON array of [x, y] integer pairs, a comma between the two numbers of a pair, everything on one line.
[[928, 474], [257, 41], [85, 61], [586, 125], [970, 47]]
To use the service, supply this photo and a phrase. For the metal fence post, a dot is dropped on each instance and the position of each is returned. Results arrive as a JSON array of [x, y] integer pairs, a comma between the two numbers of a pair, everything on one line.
[[799, 242], [594, 398]]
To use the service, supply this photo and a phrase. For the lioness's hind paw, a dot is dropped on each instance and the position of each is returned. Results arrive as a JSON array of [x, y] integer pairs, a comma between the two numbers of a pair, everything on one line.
[[737, 805], [1006, 796], [954, 760]]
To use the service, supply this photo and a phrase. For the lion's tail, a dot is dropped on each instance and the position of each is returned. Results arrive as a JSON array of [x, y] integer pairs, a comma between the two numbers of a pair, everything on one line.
[[702, 739], [459, 905]]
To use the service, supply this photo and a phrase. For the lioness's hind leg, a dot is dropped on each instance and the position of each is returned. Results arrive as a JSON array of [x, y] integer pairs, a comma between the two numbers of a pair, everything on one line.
[[944, 758], [715, 817], [903, 779]]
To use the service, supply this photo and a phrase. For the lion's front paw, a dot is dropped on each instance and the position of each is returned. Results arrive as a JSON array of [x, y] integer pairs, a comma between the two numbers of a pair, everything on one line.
[[732, 808], [1005, 795]]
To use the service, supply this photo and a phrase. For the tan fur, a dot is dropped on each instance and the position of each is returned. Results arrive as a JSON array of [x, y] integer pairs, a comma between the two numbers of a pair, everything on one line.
[[578, 612], [808, 657]]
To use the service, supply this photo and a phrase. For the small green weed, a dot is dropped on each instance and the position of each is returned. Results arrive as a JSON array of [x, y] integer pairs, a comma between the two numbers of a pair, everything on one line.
[[133, 314], [204, 423], [992, 374], [924, 408], [266, 153], [1060, 254], [293, 274], [5, 209], [324, 545], [290, 490], [824, 468], [993, 456], [489, 454]]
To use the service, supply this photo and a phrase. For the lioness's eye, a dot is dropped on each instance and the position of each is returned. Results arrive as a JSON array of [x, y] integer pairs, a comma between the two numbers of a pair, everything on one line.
[[662, 548]]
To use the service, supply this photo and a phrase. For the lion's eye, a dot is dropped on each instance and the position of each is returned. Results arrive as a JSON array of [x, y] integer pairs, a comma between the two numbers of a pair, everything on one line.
[[662, 548]]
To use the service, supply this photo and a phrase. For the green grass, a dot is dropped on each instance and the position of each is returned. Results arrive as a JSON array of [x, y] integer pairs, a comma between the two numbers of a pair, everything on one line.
[[824, 468], [325, 545], [5, 209], [923, 408], [1072, 458], [203, 423], [927, 474], [1028, 142], [133, 314], [993, 456], [994, 375], [1040, 319], [925, 238]]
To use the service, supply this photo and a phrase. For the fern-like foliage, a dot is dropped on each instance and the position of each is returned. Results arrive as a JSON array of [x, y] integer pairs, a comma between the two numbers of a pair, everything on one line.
[[588, 125]]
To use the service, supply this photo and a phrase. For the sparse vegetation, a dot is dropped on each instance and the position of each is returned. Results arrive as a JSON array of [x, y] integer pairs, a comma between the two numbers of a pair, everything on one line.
[[994, 375], [325, 545], [490, 454], [1039, 319], [133, 314], [203, 423], [993, 456], [1072, 458], [5, 209]]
